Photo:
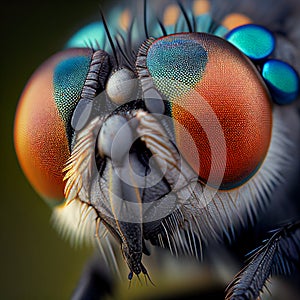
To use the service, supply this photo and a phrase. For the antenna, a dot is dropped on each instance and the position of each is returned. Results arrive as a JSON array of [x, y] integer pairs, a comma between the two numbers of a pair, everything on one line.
[[109, 38]]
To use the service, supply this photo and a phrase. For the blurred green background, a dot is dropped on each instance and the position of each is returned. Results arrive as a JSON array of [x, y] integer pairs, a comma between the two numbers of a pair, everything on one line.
[[35, 262]]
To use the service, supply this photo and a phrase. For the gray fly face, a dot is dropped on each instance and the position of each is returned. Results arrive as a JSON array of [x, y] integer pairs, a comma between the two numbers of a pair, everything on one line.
[[125, 166]]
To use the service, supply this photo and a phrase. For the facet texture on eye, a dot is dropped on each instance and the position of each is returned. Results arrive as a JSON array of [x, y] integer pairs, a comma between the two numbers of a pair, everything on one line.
[[226, 81], [41, 127]]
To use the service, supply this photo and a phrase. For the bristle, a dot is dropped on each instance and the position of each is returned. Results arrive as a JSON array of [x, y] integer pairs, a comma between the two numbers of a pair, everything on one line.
[[145, 20], [81, 164], [168, 238], [72, 225], [278, 255], [185, 15], [113, 257], [162, 27], [217, 212], [110, 39]]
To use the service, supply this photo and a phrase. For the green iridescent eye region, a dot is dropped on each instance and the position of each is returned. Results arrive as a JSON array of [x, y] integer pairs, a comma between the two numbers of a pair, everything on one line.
[[68, 80], [258, 43], [91, 35], [282, 80], [255, 41], [177, 58]]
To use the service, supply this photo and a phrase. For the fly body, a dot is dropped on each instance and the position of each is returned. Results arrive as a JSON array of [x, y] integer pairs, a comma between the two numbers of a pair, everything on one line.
[[165, 130]]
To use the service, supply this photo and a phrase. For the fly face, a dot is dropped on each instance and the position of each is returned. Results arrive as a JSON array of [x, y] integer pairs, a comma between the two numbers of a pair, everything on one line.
[[174, 143]]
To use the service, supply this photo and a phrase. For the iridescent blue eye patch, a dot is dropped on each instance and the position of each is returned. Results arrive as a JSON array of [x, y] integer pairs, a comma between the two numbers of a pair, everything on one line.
[[253, 40], [68, 80], [282, 81], [177, 59], [92, 35], [258, 43]]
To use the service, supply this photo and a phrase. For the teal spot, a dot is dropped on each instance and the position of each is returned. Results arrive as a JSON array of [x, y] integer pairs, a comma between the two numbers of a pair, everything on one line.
[[68, 81], [253, 40], [205, 23], [94, 35], [176, 63], [221, 31], [282, 80], [157, 32], [90, 36], [181, 24]]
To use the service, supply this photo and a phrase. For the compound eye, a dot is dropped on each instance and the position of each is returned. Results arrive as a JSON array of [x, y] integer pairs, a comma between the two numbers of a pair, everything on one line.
[[42, 132], [205, 78]]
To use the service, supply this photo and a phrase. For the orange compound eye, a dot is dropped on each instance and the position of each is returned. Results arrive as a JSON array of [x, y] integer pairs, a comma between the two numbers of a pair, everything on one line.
[[217, 97], [42, 131]]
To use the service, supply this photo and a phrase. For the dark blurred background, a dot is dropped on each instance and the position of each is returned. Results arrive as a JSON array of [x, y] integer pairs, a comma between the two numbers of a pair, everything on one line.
[[35, 262]]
